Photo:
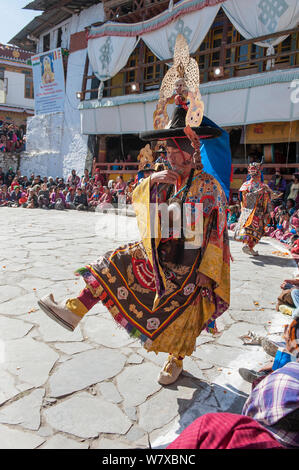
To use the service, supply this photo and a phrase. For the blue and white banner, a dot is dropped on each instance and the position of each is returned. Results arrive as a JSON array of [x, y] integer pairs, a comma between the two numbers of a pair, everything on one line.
[[48, 80]]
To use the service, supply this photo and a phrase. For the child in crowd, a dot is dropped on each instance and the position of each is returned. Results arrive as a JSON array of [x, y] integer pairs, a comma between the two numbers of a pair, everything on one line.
[[282, 226]]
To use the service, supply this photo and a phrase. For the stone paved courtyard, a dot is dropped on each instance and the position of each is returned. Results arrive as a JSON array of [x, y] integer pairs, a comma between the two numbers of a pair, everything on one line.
[[96, 388]]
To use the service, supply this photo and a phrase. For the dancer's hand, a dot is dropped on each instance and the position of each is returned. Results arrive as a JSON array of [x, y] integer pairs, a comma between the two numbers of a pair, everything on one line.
[[165, 176]]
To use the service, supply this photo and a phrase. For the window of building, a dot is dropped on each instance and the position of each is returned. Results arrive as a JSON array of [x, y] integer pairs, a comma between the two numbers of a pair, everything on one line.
[[216, 38], [46, 42], [231, 38], [201, 57], [29, 93], [152, 71], [245, 53], [131, 75], [284, 46]]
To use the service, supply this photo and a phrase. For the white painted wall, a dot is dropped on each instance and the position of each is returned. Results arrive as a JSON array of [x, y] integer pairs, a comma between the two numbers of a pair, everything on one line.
[[16, 90], [55, 144]]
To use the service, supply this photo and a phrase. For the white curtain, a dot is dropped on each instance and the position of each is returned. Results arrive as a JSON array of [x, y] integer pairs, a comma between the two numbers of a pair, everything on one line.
[[108, 55], [194, 26], [262, 17]]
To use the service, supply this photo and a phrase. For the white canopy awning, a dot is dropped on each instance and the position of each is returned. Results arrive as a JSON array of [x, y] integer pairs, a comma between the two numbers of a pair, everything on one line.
[[265, 97]]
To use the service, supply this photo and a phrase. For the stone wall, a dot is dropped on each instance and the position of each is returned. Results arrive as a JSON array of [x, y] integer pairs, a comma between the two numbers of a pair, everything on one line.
[[8, 160]]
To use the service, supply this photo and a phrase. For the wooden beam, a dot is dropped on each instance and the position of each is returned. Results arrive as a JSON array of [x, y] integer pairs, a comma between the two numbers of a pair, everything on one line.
[[68, 10]]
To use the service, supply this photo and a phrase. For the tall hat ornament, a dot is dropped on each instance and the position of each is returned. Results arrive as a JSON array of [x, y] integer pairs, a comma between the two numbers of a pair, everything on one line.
[[183, 80], [181, 86]]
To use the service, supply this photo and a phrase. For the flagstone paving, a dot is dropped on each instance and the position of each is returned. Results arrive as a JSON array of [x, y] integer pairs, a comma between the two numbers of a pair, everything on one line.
[[96, 387]]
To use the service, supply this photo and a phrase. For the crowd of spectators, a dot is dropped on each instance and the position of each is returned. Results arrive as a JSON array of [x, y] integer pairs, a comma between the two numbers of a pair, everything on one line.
[[12, 137], [81, 193]]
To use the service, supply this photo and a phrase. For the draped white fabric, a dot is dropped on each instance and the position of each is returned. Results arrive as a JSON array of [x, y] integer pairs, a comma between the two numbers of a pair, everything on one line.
[[260, 17], [194, 26], [109, 54], [252, 18]]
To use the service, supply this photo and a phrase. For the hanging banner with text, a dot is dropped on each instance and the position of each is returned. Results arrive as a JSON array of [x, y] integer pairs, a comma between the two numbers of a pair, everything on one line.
[[272, 132], [48, 80]]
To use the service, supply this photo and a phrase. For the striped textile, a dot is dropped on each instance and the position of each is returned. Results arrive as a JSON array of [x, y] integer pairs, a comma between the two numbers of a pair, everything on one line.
[[225, 431], [275, 397]]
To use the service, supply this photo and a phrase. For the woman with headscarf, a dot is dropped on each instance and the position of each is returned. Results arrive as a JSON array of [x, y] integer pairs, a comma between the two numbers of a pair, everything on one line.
[[255, 210]]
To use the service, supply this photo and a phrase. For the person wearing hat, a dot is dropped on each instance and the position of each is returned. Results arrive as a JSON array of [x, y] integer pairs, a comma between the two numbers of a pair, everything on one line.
[[168, 287], [256, 207]]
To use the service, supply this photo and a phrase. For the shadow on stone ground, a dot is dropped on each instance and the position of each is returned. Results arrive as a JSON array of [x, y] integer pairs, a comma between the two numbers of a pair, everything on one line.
[[207, 398], [263, 260]]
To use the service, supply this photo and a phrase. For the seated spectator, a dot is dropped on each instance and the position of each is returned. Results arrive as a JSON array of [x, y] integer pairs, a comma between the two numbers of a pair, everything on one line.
[[288, 300], [31, 178], [282, 226], [4, 196], [57, 199], [32, 201], [24, 197], [100, 187], [44, 197], [129, 191], [9, 180], [111, 184], [15, 195], [51, 182], [86, 176], [225, 431], [2, 176], [290, 206], [35, 181], [295, 248], [69, 200], [14, 183], [87, 184], [73, 179], [120, 186], [9, 176], [80, 200], [292, 190], [293, 234], [105, 199], [98, 177], [274, 403], [61, 184], [94, 200]]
